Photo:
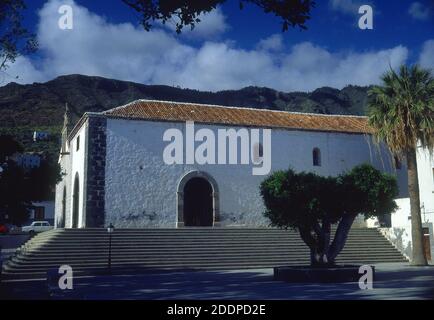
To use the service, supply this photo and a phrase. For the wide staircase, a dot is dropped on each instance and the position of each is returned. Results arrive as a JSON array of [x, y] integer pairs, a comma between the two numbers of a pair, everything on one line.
[[132, 250]]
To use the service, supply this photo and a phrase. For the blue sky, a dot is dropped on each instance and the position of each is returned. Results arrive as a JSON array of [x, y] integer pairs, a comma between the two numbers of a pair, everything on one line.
[[231, 48]]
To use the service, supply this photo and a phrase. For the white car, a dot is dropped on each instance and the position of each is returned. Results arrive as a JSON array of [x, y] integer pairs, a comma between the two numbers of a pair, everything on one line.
[[37, 226]]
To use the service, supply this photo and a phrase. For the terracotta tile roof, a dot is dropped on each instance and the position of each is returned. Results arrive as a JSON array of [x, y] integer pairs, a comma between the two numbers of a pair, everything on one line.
[[178, 111]]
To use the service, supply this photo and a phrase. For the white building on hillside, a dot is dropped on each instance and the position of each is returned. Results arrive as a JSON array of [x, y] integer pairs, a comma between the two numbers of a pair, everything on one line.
[[116, 168]]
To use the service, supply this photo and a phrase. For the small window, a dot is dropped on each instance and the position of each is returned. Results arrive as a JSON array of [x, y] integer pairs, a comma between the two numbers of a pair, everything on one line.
[[316, 157], [398, 164], [78, 143]]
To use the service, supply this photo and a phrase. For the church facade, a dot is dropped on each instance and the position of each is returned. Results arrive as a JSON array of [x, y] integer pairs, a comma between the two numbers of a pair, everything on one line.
[[115, 169]]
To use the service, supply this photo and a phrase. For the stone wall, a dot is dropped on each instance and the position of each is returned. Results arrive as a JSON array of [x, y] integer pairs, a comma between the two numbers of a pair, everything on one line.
[[95, 172]]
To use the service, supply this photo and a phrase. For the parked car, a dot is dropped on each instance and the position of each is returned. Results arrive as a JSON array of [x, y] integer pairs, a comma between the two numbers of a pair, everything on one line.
[[3, 229], [13, 228], [37, 226]]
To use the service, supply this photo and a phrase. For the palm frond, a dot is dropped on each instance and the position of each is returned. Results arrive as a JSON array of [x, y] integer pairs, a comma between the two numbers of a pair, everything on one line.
[[401, 110]]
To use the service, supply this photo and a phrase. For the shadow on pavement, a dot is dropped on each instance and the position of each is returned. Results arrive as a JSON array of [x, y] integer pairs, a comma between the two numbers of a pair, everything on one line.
[[405, 283]]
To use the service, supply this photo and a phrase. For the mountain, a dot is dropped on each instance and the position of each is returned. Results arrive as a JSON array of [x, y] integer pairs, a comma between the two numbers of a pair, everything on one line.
[[42, 104]]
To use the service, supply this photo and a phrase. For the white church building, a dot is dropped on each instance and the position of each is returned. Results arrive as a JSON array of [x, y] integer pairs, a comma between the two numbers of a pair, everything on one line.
[[399, 231], [116, 169]]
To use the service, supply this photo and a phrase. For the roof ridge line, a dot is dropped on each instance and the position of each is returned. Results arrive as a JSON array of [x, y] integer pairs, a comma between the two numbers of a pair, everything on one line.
[[233, 107]]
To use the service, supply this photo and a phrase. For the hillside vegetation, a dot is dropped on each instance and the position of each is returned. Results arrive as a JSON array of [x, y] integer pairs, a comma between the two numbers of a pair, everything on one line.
[[40, 106]]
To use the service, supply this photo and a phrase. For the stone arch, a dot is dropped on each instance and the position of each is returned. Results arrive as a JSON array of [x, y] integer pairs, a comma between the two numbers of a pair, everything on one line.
[[215, 196]]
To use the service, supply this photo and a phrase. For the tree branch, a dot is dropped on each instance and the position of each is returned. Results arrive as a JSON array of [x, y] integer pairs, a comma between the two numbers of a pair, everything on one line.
[[341, 236]]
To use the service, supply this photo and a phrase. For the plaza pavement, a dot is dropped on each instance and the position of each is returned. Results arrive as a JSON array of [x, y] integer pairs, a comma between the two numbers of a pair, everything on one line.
[[393, 281]]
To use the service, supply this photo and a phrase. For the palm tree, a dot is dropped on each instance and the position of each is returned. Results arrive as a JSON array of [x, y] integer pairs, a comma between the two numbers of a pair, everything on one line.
[[401, 111]]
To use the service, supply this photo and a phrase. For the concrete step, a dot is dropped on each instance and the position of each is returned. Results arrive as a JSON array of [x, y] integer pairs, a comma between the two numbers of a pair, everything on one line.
[[189, 263], [147, 238], [162, 242], [198, 263], [156, 261], [184, 256], [183, 249], [208, 248]]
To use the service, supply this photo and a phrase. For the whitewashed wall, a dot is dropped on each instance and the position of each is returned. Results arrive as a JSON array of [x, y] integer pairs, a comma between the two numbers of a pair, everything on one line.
[[78, 160], [425, 165], [64, 184], [65, 164], [400, 232], [141, 190]]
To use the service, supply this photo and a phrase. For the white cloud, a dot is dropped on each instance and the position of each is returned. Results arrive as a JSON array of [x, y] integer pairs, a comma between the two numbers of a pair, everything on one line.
[[346, 6], [272, 43], [309, 66], [125, 52], [95, 47], [212, 24], [426, 58], [22, 71], [420, 11], [305, 67]]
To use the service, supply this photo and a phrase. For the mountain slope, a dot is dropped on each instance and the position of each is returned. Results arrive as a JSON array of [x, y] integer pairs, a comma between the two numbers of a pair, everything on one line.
[[42, 104]]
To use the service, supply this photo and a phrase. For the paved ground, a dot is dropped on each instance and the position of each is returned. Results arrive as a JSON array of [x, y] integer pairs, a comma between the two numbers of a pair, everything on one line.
[[393, 281], [9, 243]]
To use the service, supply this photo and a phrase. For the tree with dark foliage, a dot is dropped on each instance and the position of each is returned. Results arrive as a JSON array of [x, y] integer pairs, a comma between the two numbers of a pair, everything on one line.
[[311, 203], [14, 202], [19, 187], [42, 180], [8, 146], [15, 39], [294, 13]]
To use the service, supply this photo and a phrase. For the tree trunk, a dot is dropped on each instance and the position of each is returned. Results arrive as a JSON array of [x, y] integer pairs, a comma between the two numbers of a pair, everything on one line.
[[326, 230], [324, 241], [312, 243], [418, 256], [340, 238], [318, 241]]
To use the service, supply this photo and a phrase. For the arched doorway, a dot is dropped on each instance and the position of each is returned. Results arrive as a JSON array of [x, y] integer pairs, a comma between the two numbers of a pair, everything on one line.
[[75, 202], [198, 203], [198, 200]]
